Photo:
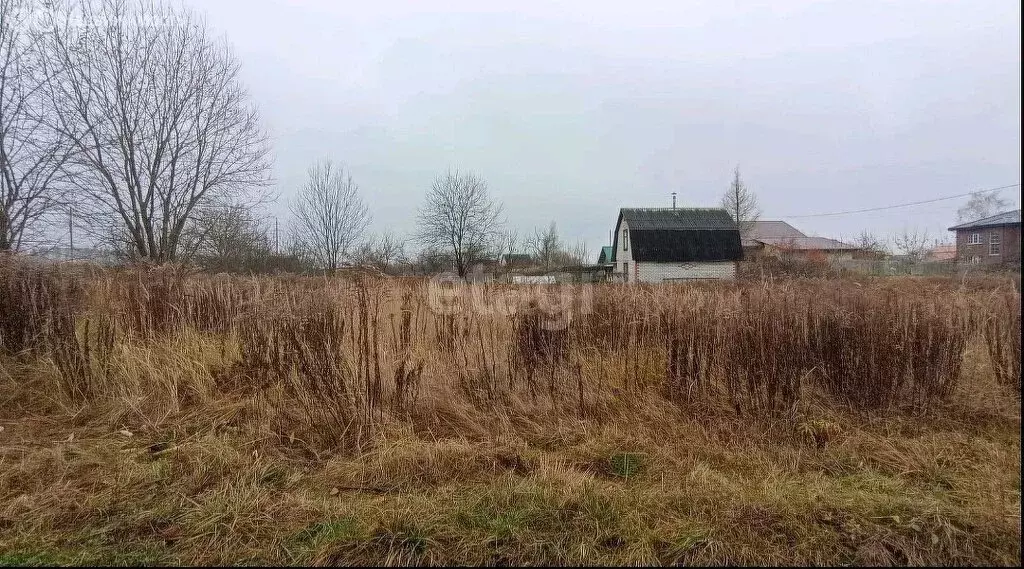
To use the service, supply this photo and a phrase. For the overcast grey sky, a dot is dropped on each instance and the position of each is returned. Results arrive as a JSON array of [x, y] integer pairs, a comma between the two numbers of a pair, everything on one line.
[[572, 110]]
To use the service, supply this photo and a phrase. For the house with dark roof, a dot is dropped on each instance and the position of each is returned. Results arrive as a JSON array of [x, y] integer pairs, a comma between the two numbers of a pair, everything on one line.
[[672, 244], [993, 240], [781, 238], [516, 260], [605, 258]]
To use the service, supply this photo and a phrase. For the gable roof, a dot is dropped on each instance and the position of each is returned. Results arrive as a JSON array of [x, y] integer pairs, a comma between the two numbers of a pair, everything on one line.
[[754, 232], [660, 218], [771, 230], [808, 244], [941, 253], [666, 235], [1004, 218], [606, 255]]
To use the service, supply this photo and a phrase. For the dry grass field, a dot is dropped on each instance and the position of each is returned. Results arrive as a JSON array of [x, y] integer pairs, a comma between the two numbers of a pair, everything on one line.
[[157, 417]]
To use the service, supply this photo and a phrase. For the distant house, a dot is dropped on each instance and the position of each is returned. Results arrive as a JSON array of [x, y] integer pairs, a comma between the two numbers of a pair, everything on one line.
[[993, 240], [756, 230], [940, 254], [513, 260], [670, 244], [605, 258], [780, 238]]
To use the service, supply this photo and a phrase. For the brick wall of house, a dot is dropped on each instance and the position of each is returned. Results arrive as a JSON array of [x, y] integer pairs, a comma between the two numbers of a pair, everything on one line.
[[1009, 245], [660, 272]]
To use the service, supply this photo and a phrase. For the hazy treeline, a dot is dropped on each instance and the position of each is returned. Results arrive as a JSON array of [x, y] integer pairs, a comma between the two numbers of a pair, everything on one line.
[[126, 123]]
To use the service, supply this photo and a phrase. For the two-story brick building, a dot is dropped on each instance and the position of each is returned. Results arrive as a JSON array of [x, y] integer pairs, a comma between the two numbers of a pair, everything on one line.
[[993, 240]]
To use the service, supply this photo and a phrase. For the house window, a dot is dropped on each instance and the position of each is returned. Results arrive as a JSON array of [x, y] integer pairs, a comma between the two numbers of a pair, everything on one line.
[[625, 271], [625, 240], [975, 260], [993, 243], [974, 239]]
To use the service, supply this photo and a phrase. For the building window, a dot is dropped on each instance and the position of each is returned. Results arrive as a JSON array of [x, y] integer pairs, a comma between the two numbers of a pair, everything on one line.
[[625, 240], [993, 243], [975, 260], [974, 239], [625, 271]]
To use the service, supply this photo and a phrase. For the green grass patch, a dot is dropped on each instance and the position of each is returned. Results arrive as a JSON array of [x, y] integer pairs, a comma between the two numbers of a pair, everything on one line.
[[319, 536], [626, 464]]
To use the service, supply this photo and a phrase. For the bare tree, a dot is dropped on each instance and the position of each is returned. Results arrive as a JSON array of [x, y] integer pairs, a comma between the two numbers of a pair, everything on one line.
[[512, 251], [228, 239], [912, 243], [741, 203], [578, 254], [545, 245], [383, 252], [981, 205], [329, 216], [159, 124], [459, 218], [870, 243], [429, 261], [505, 244], [31, 154]]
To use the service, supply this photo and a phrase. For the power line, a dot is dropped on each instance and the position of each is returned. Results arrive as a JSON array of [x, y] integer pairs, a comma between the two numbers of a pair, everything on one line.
[[902, 204]]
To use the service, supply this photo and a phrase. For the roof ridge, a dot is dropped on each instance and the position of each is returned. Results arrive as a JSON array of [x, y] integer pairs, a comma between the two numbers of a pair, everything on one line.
[[984, 220], [674, 208]]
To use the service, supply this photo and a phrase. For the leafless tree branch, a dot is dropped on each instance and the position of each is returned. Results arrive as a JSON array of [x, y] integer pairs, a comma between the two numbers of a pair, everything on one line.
[[329, 216], [981, 205], [870, 243], [31, 153], [460, 218], [384, 252], [741, 203], [545, 245], [912, 243], [159, 124]]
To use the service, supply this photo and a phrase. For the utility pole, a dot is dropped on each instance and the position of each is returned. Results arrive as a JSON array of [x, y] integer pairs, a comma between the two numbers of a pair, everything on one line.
[[673, 200]]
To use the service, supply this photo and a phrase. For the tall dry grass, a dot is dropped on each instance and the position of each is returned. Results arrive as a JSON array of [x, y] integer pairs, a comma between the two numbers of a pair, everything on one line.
[[326, 363], [158, 417], [1002, 338]]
